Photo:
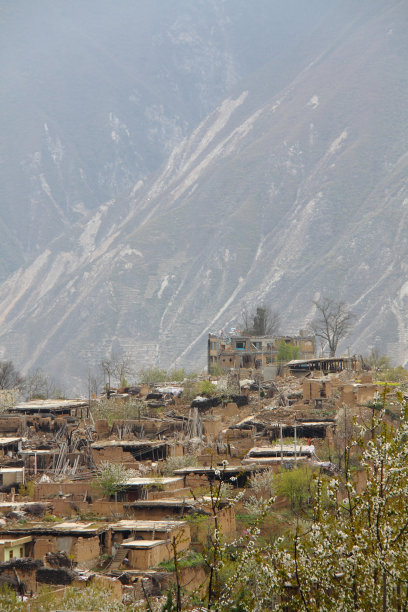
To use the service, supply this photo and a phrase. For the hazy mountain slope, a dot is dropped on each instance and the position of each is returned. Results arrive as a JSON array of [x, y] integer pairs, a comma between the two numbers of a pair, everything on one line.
[[95, 94], [295, 186]]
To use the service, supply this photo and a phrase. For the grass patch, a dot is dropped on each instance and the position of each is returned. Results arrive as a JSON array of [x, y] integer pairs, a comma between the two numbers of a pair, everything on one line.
[[191, 559], [51, 518]]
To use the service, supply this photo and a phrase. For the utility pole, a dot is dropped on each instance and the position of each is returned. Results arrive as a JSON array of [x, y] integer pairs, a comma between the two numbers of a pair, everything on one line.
[[295, 443], [259, 392], [89, 394], [281, 444]]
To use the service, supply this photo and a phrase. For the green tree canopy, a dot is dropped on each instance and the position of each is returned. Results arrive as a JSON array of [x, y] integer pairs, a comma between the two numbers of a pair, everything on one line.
[[113, 477], [287, 352]]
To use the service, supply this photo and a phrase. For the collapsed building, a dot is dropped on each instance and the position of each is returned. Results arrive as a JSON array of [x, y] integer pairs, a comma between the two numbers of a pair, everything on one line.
[[248, 352]]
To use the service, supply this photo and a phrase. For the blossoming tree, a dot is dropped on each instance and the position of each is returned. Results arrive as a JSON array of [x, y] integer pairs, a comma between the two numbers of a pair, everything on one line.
[[353, 555]]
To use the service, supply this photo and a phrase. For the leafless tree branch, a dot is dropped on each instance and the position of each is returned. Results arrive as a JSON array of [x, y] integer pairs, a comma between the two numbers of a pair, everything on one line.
[[332, 323]]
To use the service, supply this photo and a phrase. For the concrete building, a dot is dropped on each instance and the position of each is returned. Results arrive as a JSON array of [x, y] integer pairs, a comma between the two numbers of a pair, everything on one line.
[[14, 548], [254, 352]]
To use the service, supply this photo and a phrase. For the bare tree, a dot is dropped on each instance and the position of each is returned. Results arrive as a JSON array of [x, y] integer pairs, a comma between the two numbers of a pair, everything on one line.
[[332, 323], [95, 382], [377, 361], [107, 366], [123, 368], [38, 385], [263, 321], [117, 367], [10, 378], [246, 318]]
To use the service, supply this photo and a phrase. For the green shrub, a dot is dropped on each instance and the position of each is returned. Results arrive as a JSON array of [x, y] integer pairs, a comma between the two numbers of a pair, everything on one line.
[[51, 518], [9, 601], [287, 352], [190, 390], [398, 374], [196, 518], [216, 370], [175, 463], [191, 559], [206, 388], [114, 409], [377, 361], [296, 485], [27, 489], [177, 375], [150, 376]]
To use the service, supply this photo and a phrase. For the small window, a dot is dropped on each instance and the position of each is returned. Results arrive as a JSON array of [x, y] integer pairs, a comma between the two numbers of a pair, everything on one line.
[[10, 554], [257, 345], [240, 345], [21, 552]]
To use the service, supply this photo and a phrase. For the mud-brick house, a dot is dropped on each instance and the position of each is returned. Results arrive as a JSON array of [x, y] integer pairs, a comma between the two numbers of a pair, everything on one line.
[[11, 424], [171, 508], [128, 530], [279, 454], [146, 488], [39, 460], [82, 542], [10, 446], [69, 407], [358, 394], [196, 476], [11, 477], [145, 554], [129, 451], [21, 574]]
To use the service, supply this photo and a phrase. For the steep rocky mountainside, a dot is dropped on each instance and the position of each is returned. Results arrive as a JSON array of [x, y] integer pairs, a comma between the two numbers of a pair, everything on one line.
[[95, 95], [295, 186]]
